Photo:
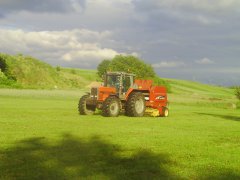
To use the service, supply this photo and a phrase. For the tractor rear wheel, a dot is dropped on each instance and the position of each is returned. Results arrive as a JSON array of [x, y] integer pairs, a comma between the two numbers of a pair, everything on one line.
[[135, 105], [165, 112], [82, 106], [111, 107]]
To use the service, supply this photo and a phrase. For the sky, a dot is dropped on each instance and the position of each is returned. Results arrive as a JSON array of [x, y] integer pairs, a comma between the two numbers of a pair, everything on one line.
[[196, 40]]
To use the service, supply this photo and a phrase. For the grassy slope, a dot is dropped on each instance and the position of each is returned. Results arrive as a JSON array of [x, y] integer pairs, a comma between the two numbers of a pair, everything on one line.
[[42, 136], [35, 74], [194, 93], [30, 73]]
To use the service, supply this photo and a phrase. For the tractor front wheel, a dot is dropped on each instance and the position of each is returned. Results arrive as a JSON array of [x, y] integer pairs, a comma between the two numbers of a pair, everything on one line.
[[111, 107], [135, 106], [82, 106]]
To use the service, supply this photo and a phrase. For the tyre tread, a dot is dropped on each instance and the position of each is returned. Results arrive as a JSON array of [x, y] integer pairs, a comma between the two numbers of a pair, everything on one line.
[[106, 106], [130, 105]]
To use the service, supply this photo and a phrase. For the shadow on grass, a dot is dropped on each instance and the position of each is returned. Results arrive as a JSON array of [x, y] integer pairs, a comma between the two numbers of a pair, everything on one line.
[[76, 158], [228, 117], [223, 174]]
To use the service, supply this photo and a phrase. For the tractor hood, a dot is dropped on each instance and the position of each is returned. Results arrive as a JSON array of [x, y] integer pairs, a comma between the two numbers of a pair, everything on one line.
[[104, 92]]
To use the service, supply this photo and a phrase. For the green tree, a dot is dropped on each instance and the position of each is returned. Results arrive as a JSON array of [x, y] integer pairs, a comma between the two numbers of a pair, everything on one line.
[[132, 64], [2, 75], [103, 67], [3, 65]]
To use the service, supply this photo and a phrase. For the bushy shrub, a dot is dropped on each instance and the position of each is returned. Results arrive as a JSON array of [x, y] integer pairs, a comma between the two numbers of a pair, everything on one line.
[[58, 68], [3, 65], [7, 83], [2, 75], [237, 92]]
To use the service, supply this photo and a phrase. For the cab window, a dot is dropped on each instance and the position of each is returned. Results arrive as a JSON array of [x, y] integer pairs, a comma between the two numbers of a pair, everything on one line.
[[126, 83], [113, 81]]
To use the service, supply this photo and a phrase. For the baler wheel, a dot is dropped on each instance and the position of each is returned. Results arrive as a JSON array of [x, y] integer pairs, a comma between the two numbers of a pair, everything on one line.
[[82, 106], [135, 105], [165, 112], [111, 107]]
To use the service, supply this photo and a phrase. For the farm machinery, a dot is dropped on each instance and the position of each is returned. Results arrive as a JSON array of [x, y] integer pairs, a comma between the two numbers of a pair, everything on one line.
[[121, 92]]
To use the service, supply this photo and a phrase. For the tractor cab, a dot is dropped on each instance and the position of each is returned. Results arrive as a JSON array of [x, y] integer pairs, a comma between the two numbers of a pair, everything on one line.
[[120, 80]]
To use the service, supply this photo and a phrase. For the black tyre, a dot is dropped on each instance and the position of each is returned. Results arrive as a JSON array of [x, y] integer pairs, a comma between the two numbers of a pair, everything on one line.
[[111, 107], [165, 112], [82, 106], [135, 105]]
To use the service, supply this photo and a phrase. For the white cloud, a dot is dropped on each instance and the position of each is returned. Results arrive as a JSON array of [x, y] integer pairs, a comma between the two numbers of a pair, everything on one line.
[[78, 45], [204, 5], [95, 54], [205, 61], [168, 64]]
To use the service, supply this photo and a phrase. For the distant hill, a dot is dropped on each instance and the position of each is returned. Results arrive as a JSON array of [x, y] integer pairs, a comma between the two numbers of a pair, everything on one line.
[[27, 72]]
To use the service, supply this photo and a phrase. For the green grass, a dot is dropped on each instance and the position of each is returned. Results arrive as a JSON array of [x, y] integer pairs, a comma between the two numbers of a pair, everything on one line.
[[43, 137]]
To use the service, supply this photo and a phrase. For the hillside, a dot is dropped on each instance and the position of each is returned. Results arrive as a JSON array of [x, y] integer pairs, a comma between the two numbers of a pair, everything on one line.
[[27, 72], [189, 93]]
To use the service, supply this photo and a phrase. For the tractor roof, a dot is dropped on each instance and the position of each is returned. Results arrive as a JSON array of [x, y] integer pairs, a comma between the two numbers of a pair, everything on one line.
[[120, 73]]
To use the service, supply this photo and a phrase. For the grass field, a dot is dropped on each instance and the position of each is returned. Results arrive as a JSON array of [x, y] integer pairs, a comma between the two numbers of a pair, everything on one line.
[[43, 137]]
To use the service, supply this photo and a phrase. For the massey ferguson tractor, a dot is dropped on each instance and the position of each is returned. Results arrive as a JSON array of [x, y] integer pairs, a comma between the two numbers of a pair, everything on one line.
[[122, 93]]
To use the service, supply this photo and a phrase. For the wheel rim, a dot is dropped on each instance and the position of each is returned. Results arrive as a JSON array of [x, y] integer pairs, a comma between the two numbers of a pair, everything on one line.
[[88, 111], [114, 108], [166, 112], [139, 106]]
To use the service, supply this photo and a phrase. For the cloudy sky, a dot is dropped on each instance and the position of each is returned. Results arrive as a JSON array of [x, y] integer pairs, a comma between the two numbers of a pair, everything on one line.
[[186, 39]]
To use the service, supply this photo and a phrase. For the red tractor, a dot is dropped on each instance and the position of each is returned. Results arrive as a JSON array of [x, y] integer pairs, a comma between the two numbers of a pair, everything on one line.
[[121, 92]]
